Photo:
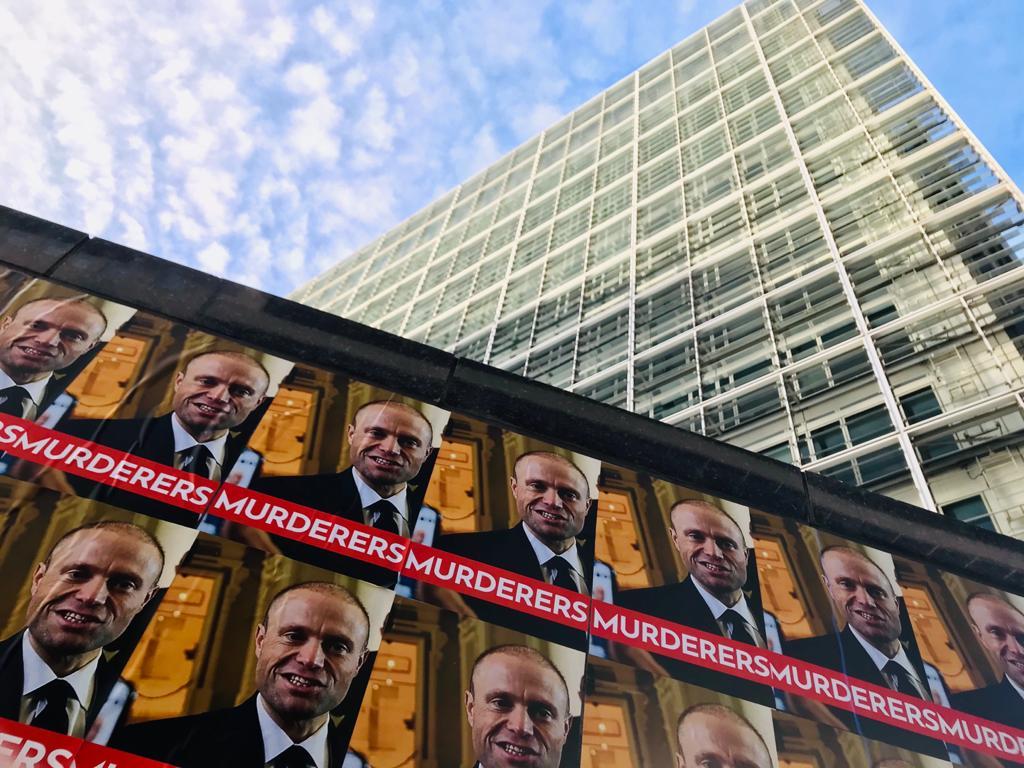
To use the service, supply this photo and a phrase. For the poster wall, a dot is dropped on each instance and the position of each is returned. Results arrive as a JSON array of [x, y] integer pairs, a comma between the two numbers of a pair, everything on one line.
[[218, 556]]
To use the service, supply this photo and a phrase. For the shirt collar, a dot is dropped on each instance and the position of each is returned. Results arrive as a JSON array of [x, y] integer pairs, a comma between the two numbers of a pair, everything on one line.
[[1017, 688], [544, 553], [38, 673], [183, 441], [717, 607], [276, 741], [879, 659], [35, 389], [368, 496]]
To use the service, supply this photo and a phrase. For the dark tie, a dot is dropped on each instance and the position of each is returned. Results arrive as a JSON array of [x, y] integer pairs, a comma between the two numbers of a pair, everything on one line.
[[559, 568], [196, 460], [12, 400], [384, 511], [294, 757], [900, 679], [54, 716], [739, 630]]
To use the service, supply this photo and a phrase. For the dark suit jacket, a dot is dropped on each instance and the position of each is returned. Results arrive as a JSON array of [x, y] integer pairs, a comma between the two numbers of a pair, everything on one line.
[[224, 737], [148, 438], [12, 678], [336, 494], [843, 653], [682, 604], [510, 549], [999, 702]]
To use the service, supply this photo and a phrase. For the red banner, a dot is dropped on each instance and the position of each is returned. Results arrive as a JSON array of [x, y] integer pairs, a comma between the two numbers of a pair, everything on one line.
[[825, 685], [22, 746]]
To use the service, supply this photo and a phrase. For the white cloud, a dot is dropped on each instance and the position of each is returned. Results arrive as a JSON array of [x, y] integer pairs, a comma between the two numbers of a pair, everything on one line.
[[306, 79], [214, 258]]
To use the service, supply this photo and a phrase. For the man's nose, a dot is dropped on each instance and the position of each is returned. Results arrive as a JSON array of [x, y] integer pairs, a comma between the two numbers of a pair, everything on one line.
[[519, 721], [311, 654], [48, 336], [551, 497], [1015, 644], [863, 596], [93, 591], [711, 548], [220, 392], [390, 444]]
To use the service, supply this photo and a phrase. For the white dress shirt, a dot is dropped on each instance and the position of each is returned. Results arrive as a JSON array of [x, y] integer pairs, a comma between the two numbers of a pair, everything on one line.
[[571, 556], [183, 441], [1017, 688], [368, 497], [276, 741], [717, 608], [35, 389], [879, 659], [37, 673]]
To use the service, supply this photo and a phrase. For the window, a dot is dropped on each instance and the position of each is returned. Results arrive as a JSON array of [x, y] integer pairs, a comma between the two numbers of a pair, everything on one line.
[[970, 510]]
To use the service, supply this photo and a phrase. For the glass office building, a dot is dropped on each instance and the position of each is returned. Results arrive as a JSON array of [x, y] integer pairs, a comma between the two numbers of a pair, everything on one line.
[[777, 234]]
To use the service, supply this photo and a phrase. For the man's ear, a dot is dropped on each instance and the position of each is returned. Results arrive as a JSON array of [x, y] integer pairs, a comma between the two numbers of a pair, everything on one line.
[[151, 593], [568, 724], [178, 378], [38, 575], [512, 483], [351, 433], [362, 658], [680, 762], [469, 707], [261, 634]]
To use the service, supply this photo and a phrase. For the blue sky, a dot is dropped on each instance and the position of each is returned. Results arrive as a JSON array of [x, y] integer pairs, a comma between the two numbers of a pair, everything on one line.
[[264, 140]]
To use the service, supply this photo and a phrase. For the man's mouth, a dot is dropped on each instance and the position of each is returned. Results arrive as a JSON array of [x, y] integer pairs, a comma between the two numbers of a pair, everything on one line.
[[301, 682], [208, 410], [714, 568], [35, 352], [516, 750], [871, 618], [550, 516], [380, 461], [73, 617]]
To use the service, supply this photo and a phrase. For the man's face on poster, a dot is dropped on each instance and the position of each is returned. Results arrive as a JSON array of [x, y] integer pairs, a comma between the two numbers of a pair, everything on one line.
[[216, 392], [1000, 628], [46, 336], [388, 443], [518, 711], [308, 653], [863, 595], [714, 740], [712, 548], [552, 499], [95, 583]]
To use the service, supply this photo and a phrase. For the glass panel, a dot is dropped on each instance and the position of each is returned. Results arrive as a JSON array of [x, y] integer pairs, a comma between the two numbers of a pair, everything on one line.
[[554, 364], [564, 266], [666, 383], [726, 284], [658, 214], [733, 353], [602, 345], [665, 257], [738, 411], [663, 314], [811, 319], [788, 253]]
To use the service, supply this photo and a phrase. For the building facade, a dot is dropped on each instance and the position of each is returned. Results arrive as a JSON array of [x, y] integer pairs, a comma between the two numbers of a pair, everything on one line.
[[777, 234]]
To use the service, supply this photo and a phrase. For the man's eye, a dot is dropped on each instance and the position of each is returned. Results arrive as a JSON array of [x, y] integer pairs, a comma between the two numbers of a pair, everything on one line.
[[693, 536], [293, 636], [726, 545], [541, 713], [569, 495], [337, 648]]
